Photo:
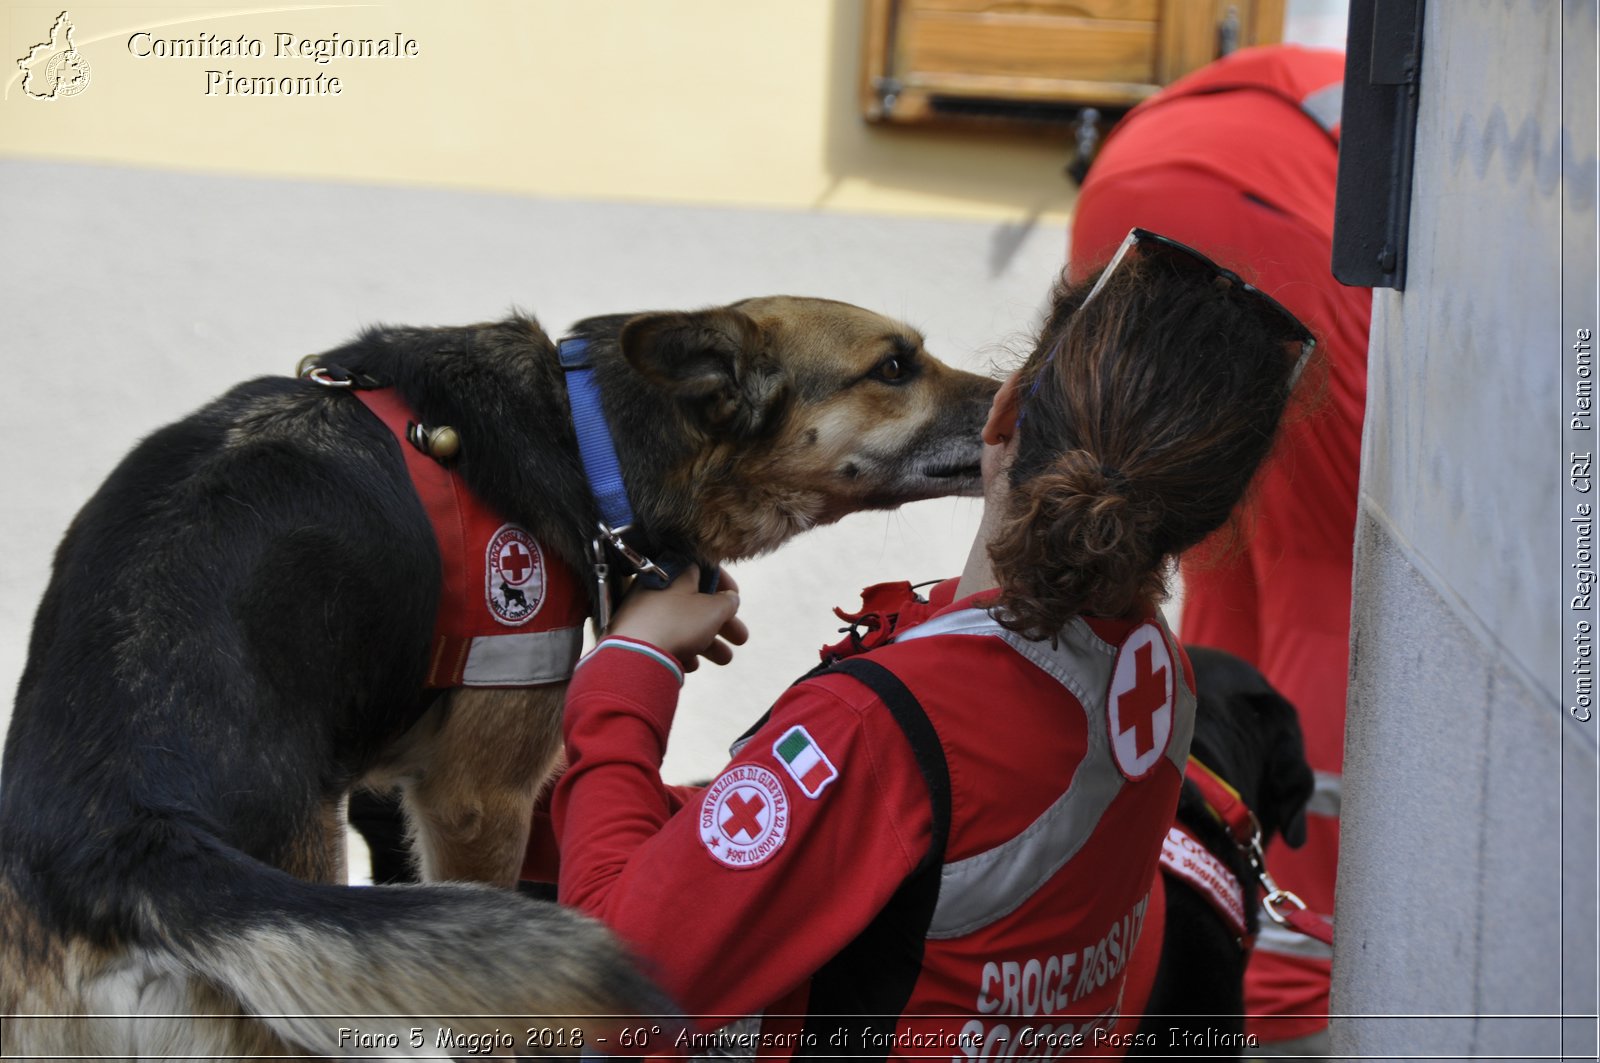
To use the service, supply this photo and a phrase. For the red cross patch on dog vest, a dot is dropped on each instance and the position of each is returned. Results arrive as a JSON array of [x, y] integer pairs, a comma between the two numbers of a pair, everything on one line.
[[510, 612]]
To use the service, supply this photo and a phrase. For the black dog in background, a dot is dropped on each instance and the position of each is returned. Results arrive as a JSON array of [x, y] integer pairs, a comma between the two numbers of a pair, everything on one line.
[[1249, 734]]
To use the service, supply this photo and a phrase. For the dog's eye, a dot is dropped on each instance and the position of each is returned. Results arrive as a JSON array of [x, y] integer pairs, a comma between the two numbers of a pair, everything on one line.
[[891, 369]]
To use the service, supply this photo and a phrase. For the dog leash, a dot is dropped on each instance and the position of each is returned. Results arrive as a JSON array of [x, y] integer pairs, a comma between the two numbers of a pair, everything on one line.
[[1226, 806]]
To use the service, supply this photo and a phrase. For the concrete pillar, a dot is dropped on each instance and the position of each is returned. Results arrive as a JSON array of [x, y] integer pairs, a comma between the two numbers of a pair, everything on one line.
[[1467, 877]]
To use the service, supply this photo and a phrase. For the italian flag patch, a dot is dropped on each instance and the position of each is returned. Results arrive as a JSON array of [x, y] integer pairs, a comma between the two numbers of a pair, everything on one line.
[[804, 759]]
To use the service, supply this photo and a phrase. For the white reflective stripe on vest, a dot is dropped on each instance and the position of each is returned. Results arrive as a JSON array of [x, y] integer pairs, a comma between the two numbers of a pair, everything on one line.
[[1326, 799], [981, 889], [523, 660], [1286, 942], [1325, 106]]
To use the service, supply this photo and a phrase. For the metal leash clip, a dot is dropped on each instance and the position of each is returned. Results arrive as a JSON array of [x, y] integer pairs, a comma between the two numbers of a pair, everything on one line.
[[602, 588], [1276, 895], [641, 564]]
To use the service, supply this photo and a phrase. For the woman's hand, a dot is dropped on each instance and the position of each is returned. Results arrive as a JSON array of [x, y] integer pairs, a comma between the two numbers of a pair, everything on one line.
[[687, 624]]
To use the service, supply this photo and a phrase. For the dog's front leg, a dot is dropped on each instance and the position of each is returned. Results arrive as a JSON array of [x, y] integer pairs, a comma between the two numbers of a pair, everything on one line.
[[472, 789]]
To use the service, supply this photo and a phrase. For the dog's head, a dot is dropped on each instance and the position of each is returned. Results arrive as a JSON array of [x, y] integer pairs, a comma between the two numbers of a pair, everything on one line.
[[1250, 735], [798, 411]]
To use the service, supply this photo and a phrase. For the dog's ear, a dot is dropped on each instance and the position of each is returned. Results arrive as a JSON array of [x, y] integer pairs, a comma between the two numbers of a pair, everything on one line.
[[711, 361], [1288, 781], [1294, 831]]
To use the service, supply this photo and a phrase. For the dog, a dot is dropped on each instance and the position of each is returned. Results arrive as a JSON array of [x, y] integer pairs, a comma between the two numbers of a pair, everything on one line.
[[235, 635], [1249, 734]]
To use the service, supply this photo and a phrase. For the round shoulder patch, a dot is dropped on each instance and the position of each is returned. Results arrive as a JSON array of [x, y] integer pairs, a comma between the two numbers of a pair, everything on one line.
[[744, 816], [1141, 701], [513, 575]]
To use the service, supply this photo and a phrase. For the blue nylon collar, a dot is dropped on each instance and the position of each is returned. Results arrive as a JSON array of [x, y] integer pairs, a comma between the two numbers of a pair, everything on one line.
[[595, 448]]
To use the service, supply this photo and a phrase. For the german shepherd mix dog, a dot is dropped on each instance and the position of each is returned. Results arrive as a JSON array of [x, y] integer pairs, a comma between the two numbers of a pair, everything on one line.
[[236, 634], [1249, 734]]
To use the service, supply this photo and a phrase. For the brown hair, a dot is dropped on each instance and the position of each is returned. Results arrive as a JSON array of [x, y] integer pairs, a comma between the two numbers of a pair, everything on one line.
[[1143, 418]]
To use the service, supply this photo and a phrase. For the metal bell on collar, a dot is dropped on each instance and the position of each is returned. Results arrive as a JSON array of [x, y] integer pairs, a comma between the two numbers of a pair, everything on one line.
[[441, 443]]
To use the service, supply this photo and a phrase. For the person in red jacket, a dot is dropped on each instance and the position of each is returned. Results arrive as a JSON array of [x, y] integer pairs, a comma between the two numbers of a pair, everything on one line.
[[946, 846], [1239, 159]]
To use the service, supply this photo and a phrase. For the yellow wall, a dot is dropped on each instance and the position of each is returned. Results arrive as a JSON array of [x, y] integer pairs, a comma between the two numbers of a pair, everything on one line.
[[705, 101]]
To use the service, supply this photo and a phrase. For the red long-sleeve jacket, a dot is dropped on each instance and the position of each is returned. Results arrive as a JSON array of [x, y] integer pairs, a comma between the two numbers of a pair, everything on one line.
[[800, 880]]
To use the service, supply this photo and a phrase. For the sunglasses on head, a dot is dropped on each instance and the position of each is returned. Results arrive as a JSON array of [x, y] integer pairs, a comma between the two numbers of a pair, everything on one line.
[[1155, 247]]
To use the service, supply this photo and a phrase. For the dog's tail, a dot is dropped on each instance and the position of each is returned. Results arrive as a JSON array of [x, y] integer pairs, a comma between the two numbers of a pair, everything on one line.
[[424, 971]]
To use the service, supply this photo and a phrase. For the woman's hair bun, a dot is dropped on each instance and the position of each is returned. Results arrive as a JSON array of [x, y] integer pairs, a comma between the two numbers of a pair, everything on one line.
[[1077, 539]]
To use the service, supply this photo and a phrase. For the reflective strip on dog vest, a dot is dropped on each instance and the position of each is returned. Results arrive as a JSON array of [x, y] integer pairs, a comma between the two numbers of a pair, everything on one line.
[[522, 660], [979, 890], [1183, 857], [510, 612]]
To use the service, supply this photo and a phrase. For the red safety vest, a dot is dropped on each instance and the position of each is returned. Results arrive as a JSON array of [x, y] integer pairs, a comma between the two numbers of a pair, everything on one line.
[[1078, 873], [510, 611]]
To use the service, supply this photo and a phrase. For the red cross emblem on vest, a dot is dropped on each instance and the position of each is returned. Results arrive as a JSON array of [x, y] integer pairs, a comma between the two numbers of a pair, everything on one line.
[[513, 585], [1141, 701], [515, 561]]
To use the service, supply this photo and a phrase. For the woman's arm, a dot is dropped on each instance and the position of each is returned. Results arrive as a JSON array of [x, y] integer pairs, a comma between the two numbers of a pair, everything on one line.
[[737, 898]]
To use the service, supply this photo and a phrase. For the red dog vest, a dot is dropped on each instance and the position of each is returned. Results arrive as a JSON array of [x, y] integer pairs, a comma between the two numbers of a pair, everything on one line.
[[510, 612]]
